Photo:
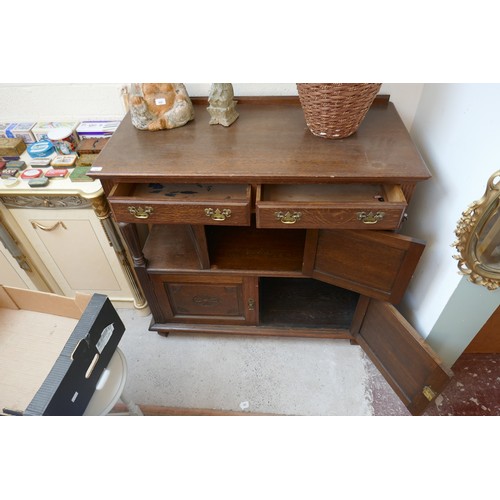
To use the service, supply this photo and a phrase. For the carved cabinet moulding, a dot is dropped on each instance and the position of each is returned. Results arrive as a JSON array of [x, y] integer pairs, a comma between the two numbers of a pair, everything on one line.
[[45, 201], [478, 238]]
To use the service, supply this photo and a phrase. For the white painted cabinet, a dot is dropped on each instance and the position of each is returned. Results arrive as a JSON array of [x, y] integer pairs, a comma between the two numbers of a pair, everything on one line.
[[11, 274], [68, 241], [16, 270]]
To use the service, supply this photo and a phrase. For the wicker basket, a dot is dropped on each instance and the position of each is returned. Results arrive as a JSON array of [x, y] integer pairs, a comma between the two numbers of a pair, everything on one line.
[[336, 110]]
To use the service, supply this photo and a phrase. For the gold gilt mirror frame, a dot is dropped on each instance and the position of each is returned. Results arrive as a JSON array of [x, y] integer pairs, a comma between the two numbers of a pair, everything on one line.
[[478, 233]]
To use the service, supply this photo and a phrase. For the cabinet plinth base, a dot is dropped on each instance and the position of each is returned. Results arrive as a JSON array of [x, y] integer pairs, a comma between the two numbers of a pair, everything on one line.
[[262, 331]]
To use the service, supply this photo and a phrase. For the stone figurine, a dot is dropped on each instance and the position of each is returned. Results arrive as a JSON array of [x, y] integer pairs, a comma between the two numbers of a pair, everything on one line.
[[158, 106], [222, 104]]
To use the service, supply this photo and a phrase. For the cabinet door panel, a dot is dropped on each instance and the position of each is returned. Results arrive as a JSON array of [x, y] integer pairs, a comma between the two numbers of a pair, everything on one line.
[[378, 264], [85, 270], [75, 250], [408, 364], [207, 299]]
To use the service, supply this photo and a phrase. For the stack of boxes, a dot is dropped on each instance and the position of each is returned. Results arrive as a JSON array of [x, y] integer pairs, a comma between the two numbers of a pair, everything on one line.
[[18, 131], [23, 150]]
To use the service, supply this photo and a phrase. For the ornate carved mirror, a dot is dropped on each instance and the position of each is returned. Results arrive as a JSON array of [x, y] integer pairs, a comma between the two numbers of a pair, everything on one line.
[[478, 233]]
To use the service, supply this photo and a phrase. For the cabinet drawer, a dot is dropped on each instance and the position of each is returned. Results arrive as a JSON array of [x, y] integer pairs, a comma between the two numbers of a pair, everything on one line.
[[225, 204], [334, 206]]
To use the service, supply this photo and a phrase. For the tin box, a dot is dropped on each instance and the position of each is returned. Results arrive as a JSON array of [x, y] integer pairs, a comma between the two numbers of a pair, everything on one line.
[[11, 147], [19, 164], [63, 161], [10, 172], [41, 149], [92, 146], [63, 140], [41, 129], [32, 173], [3, 129], [21, 131], [56, 173], [96, 129], [38, 182]]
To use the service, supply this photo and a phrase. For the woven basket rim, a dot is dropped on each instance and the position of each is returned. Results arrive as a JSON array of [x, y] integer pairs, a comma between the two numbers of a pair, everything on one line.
[[336, 110]]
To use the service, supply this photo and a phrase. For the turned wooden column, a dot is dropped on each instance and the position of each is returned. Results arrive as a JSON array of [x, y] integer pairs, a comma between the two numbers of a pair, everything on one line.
[[129, 232]]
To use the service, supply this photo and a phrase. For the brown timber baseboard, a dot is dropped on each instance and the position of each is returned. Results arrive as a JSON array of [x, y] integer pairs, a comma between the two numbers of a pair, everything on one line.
[[151, 410]]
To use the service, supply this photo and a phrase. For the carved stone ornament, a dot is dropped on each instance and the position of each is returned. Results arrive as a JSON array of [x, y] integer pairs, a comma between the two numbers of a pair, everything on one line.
[[222, 107], [159, 106], [478, 233]]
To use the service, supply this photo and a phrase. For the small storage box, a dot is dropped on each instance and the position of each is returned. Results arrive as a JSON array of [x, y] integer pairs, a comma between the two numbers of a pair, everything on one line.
[[96, 129], [91, 146], [12, 147], [21, 131], [41, 129], [3, 129], [53, 350]]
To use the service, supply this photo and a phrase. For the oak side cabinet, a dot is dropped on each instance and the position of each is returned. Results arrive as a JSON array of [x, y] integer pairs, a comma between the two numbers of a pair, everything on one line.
[[261, 228]]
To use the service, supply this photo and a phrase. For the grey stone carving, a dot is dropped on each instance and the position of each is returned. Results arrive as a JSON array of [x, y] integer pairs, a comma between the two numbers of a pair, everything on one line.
[[222, 106]]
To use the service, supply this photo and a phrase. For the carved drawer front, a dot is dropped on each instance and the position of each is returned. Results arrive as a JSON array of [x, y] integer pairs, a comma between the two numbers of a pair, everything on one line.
[[155, 203], [330, 206], [207, 299]]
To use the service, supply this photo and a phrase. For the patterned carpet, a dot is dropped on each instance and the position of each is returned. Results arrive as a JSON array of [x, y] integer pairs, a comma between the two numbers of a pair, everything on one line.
[[474, 390]]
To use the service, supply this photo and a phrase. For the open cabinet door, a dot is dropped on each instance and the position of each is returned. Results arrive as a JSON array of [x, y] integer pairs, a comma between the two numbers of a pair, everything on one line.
[[408, 364], [378, 264]]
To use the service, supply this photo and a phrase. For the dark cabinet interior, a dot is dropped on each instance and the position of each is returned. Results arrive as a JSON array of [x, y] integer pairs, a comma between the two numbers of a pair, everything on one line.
[[306, 303]]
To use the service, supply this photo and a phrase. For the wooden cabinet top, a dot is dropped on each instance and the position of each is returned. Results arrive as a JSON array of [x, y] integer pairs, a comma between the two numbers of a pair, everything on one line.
[[269, 142]]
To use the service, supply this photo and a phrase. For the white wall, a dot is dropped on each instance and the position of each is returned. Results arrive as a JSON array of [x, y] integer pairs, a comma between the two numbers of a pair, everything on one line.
[[457, 130], [87, 101]]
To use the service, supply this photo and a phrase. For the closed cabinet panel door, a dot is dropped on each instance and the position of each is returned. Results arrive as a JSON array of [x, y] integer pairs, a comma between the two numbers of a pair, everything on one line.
[[377, 264], [198, 299], [76, 253], [75, 250], [409, 365]]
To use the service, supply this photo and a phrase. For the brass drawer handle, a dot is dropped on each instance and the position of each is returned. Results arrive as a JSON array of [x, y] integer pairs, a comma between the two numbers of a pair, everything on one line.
[[140, 213], [370, 218], [47, 228], [217, 214], [288, 218]]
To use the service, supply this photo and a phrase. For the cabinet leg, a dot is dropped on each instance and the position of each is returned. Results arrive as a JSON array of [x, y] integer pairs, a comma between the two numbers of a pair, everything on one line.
[[164, 334]]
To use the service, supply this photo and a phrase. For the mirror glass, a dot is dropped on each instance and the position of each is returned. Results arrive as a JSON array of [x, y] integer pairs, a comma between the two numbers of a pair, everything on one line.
[[487, 242], [478, 233]]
